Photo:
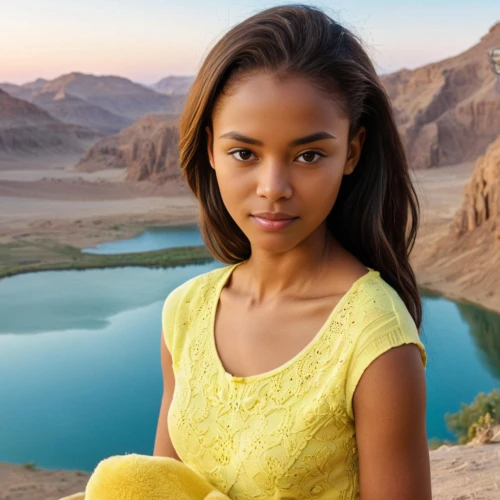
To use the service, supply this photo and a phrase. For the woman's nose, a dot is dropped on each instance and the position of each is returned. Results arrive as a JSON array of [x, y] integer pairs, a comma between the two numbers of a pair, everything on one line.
[[273, 182]]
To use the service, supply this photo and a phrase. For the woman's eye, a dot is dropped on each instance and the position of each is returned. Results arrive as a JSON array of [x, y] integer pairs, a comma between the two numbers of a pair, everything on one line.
[[310, 156], [242, 154]]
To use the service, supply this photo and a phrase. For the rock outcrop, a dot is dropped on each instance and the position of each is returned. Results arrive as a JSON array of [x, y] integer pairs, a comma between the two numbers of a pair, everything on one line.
[[481, 205], [147, 150], [449, 111], [462, 260]]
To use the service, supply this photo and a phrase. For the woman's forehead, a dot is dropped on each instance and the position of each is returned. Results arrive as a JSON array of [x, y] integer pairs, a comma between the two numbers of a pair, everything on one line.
[[264, 102]]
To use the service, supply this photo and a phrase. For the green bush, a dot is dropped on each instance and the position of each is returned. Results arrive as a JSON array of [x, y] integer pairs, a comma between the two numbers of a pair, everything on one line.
[[483, 412]]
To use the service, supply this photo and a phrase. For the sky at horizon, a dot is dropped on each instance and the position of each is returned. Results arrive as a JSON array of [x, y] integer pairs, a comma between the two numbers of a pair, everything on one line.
[[148, 40]]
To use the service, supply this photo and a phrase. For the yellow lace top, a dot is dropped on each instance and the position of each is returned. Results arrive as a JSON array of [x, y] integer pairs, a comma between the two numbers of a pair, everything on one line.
[[288, 433]]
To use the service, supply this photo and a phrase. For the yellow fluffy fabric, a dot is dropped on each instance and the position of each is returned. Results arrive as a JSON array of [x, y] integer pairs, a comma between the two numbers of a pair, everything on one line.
[[141, 477]]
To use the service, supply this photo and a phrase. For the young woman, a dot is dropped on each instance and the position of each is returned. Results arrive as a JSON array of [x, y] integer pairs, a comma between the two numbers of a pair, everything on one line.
[[297, 370]]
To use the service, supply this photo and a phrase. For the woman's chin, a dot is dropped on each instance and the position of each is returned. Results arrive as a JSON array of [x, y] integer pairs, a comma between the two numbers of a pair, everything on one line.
[[275, 244]]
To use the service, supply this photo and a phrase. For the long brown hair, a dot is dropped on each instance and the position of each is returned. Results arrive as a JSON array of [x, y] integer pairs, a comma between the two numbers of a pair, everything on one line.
[[376, 213]]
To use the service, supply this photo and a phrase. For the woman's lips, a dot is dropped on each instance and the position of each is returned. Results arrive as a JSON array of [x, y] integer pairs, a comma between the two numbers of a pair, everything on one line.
[[273, 222]]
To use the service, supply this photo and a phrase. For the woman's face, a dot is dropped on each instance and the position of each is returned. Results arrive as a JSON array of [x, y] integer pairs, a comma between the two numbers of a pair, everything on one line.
[[280, 149]]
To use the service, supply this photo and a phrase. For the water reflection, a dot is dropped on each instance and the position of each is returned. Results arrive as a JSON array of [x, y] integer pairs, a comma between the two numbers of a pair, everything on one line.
[[93, 377], [484, 327], [52, 301]]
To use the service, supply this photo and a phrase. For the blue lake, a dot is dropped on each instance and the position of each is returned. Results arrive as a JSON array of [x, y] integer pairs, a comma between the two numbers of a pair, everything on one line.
[[80, 366], [152, 239]]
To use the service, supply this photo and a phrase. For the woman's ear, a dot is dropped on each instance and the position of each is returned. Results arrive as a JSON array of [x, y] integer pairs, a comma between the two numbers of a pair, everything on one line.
[[355, 147], [210, 146]]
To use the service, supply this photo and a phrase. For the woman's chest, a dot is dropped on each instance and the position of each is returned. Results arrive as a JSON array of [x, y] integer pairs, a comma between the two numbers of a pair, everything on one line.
[[285, 435], [252, 341]]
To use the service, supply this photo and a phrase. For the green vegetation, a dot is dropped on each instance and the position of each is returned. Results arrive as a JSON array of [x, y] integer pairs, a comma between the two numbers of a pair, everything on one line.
[[482, 414], [42, 255], [30, 465]]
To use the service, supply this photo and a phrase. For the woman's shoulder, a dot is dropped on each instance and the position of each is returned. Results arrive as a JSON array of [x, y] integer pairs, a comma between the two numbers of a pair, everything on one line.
[[374, 298], [380, 314], [200, 286], [383, 323]]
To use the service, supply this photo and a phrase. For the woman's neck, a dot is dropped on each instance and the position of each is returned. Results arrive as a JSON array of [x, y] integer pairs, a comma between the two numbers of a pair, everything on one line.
[[269, 276]]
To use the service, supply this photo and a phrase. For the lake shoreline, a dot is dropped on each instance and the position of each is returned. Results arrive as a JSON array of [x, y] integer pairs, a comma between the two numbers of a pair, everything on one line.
[[66, 257], [157, 258], [448, 293]]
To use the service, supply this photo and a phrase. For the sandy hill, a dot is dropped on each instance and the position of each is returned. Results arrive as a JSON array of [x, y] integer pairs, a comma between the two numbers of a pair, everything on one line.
[[174, 85], [71, 109], [24, 128], [19, 113], [448, 111], [147, 150]]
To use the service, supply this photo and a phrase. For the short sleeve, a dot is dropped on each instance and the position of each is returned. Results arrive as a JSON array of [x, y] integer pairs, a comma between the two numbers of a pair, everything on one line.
[[388, 325], [171, 312], [168, 314]]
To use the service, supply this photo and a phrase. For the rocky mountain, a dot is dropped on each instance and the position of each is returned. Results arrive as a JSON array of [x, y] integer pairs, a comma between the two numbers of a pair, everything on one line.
[[104, 103], [24, 128], [174, 85], [147, 150], [448, 111]]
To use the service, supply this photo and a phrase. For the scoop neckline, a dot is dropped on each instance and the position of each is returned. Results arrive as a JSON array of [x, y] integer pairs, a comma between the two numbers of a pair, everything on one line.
[[319, 334]]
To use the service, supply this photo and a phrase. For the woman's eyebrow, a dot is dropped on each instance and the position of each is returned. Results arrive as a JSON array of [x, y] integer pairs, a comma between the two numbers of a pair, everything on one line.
[[318, 136]]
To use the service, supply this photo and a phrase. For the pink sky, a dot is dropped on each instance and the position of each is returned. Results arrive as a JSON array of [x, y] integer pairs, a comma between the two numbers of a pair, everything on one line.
[[150, 40]]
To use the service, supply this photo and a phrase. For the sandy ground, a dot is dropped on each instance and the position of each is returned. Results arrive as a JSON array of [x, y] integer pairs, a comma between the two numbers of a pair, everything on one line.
[[458, 473], [21, 483], [52, 201], [65, 205], [440, 193]]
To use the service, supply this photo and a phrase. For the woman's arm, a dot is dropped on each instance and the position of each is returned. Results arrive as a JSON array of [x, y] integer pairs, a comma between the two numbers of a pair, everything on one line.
[[163, 444], [389, 411]]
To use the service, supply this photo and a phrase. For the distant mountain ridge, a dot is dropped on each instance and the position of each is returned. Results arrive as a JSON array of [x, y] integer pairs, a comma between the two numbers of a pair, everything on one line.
[[104, 103], [71, 109], [26, 129], [449, 111], [174, 85]]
